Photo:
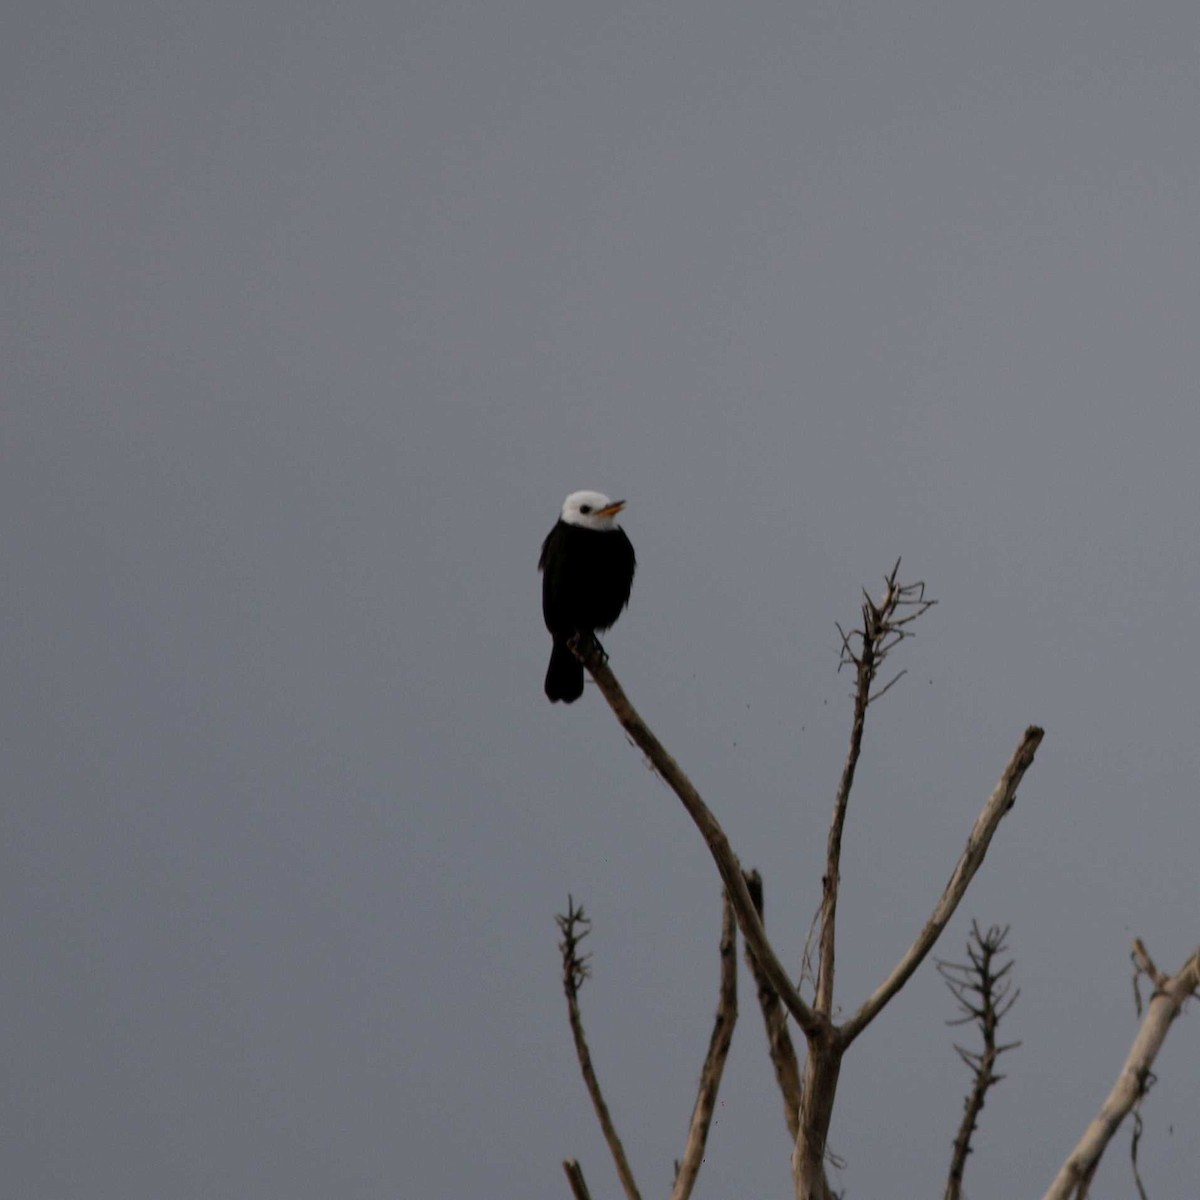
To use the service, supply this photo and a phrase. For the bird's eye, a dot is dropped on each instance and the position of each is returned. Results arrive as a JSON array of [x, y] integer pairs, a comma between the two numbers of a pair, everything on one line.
[[585, 508]]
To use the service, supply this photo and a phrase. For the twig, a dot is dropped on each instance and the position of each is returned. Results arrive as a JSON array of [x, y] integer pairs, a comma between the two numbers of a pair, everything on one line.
[[574, 1173], [1137, 1137], [865, 667], [688, 1168], [714, 836], [779, 1041], [984, 996], [1143, 964], [882, 629], [1164, 1006], [575, 927], [807, 970], [1000, 801]]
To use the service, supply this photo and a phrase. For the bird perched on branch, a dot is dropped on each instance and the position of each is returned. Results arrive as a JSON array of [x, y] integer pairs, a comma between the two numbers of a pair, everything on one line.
[[587, 566]]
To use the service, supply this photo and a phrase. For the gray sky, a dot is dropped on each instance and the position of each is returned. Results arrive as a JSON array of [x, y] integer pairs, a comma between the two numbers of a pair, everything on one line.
[[312, 316]]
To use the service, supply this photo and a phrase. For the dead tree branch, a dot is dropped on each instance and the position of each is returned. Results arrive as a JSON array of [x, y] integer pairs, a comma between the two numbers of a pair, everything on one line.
[[688, 1167], [884, 626], [998, 804], [1164, 1006], [779, 1040], [574, 1174], [1137, 1137], [984, 994], [1143, 964], [574, 927], [714, 836]]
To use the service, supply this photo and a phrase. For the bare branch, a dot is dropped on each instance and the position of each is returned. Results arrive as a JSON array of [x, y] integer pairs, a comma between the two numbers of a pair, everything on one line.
[[885, 623], [574, 927], [1144, 965], [887, 687], [779, 1041], [824, 1048], [1137, 1137], [1000, 801], [574, 1173], [710, 829], [1164, 1006], [688, 1168], [993, 987], [865, 668], [865, 649], [807, 970]]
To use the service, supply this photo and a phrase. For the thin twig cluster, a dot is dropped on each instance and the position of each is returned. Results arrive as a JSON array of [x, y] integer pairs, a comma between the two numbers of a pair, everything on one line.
[[885, 624], [985, 995], [574, 927]]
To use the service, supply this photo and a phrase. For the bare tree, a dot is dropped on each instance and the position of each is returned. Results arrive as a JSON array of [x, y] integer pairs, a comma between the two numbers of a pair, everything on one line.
[[809, 1094]]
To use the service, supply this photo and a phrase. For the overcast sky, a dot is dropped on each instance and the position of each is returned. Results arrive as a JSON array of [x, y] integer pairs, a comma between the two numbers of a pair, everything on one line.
[[312, 315]]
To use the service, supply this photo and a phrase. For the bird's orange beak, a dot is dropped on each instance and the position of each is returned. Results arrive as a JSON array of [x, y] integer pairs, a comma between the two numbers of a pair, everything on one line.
[[611, 510]]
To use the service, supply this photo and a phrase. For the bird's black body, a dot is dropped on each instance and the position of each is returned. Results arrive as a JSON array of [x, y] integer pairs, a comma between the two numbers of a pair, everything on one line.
[[587, 574]]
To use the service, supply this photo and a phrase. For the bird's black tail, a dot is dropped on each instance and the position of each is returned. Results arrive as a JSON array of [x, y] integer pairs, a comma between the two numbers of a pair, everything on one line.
[[564, 675]]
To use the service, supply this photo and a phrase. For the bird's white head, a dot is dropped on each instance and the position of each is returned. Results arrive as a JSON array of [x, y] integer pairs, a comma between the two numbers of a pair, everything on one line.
[[591, 510]]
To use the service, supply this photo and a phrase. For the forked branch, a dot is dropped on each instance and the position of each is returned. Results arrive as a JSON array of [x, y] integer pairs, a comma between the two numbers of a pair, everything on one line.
[[574, 927], [1164, 1006], [810, 1102]]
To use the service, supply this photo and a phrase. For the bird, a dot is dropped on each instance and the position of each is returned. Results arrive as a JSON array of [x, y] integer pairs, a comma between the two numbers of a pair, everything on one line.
[[587, 565]]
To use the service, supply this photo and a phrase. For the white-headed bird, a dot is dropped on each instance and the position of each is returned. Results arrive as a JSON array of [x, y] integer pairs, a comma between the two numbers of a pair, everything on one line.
[[587, 567]]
